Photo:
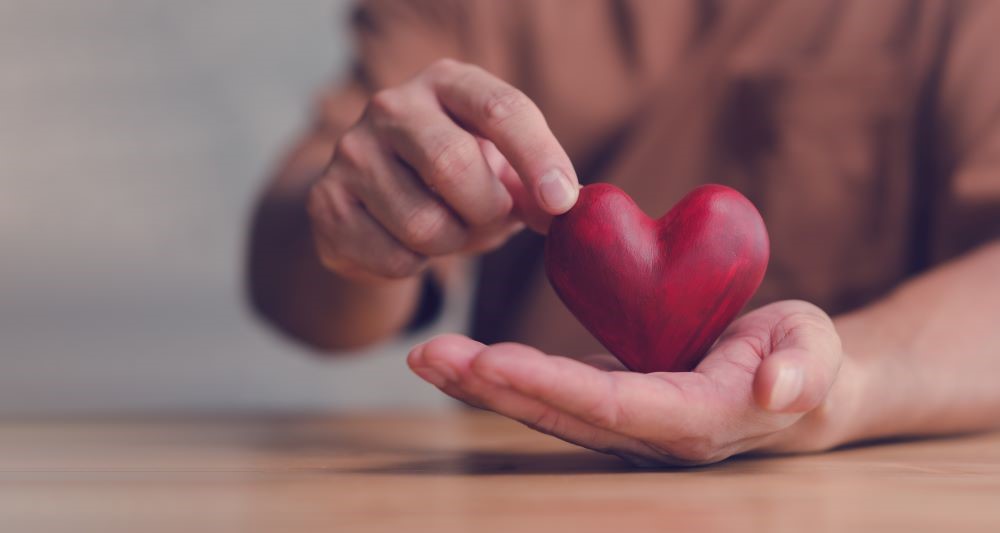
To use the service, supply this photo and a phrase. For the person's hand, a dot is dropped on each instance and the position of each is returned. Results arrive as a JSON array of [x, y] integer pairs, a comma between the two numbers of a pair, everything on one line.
[[455, 160], [765, 386]]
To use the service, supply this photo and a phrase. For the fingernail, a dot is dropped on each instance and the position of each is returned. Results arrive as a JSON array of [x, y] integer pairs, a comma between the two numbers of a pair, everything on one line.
[[556, 190], [431, 376], [787, 388]]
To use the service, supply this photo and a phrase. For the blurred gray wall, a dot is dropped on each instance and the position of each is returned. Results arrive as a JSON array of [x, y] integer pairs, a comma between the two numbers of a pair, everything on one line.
[[133, 136]]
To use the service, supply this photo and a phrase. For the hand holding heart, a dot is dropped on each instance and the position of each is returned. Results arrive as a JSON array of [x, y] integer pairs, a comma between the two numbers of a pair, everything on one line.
[[762, 387], [658, 294]]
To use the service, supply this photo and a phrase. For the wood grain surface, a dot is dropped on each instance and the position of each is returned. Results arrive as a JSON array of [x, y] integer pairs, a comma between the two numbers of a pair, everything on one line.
[[460, 472]]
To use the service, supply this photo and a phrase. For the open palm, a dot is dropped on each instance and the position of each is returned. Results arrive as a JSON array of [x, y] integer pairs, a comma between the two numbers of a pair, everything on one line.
[[762, 387]]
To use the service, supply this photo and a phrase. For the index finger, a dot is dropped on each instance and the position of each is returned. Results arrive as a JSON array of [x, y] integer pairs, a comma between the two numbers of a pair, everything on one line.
[[501, 113]]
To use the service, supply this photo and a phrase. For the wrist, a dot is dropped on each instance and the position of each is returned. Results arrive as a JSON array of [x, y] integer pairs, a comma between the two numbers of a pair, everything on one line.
[[869, 404], [845, 418], [842, 417]]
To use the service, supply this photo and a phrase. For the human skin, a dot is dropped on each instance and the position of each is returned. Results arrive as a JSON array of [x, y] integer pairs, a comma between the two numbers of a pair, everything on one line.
[[446, 165], [339, 249], [784, 378]]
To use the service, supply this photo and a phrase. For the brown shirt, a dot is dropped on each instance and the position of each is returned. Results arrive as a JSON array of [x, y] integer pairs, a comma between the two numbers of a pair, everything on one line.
[[866, 132]]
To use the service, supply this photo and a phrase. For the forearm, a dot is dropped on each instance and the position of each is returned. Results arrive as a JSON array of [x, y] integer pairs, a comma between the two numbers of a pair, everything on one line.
[[290, 288], [926, 359]]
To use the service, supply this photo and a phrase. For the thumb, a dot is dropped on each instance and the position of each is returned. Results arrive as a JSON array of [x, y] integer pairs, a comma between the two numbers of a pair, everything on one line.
[[797, 375]]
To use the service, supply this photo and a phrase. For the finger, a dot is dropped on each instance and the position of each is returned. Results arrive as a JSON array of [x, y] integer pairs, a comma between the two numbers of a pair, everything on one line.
[[445, 157], [797, 374], [504, 115], [634, 405], [348, 238], [524, 206], [449, 355], [486, 238], [443, 355], [394, 197]]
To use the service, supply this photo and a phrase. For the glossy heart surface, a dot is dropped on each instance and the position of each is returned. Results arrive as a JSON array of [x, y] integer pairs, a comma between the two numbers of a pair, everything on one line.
[[657, 292]]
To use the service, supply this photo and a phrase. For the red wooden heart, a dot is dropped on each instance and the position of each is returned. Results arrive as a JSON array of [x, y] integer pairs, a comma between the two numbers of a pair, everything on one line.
[[657, 293]]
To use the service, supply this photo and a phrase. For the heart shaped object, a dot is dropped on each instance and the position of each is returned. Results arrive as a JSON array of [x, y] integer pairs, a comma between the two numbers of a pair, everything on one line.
[[657, 293]]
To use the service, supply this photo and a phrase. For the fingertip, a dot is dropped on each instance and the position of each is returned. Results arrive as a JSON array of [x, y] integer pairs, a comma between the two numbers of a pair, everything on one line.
[[791, 382], [557, 191], [448, 354], [416, 356], [434, 344], [785, 387]]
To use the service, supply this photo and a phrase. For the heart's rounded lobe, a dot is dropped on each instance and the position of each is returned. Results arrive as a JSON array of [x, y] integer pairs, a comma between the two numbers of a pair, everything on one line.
[[657, 293]]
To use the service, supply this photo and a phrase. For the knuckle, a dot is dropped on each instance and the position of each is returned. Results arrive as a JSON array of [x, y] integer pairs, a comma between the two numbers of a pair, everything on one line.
[[809, 311], [352, 149], [425, 227], [496, 214], [386, 102], [452, 161], [607, 415], [444, 65], [503, 104], [324, 203], [807, 321]]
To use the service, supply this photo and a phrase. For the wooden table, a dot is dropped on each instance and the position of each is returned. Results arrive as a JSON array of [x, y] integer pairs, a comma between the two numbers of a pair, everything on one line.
[[460, 472]]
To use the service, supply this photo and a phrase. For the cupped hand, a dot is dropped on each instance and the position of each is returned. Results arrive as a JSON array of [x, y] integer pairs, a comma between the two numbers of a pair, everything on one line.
[[454, 160], [768, 385]]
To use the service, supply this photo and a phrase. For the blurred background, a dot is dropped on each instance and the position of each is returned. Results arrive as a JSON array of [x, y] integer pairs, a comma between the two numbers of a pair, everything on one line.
[[133, 137]]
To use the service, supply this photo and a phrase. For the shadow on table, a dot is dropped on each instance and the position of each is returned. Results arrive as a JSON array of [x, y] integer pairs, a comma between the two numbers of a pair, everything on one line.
[[533, 463], [500, 463], [480, 462], [416, 459]]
